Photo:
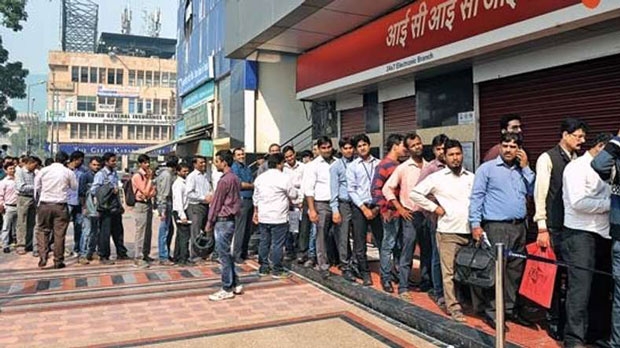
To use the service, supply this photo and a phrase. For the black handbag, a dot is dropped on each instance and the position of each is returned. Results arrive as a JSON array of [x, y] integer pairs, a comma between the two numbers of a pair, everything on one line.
[[475, 265]]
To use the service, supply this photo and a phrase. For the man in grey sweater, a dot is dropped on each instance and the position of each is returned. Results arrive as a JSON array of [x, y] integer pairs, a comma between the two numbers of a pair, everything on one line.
[[164, 208]]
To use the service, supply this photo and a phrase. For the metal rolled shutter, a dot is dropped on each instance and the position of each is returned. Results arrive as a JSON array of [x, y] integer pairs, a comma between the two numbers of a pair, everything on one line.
[[588, 90], [352, 122], [399, 116]]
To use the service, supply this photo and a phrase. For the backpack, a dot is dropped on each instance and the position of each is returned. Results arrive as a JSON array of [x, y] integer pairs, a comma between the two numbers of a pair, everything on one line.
[[130, 196], [106, 200]]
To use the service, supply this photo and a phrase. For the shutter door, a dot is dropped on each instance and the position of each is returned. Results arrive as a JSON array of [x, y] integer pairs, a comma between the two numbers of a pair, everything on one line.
[[399, 116], [352, 122], [588, 90]]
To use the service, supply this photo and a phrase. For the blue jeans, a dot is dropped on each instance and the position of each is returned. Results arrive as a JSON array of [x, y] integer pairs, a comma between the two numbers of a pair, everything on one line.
[[224, 232], [272, 238], [312, 246], [435, 260], [90, 236], [165, 227], [615, 311], [391, 232], [411, 232], [77, 218]]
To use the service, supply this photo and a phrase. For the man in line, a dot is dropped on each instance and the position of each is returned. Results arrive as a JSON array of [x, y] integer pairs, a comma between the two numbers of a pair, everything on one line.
[[164, 208], [340, 203], [294, 169], [26, 211], [225, 207], [90, 221], [8, 206], [105, 185], [586, 243], [607, 165], [273, 192], [144, 189], [390, 217], [510, 123], [498, 207], [434, 166], [199, 195], [364, 213], [180, 213], [243, 226], [316, 187], [396, 190], [273, 149], [53, 185], [550, 208], [451, 188], [76, 159]]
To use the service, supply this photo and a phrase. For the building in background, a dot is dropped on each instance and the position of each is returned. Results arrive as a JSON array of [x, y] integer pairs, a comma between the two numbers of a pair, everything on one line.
[[120, 99], [252, 101], [451, 67]]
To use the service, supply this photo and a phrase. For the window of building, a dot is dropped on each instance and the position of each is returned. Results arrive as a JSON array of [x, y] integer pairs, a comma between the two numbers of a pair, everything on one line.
[[132, 105], [156, 78], [173, 80], [102, 75], [101, 131], [156, 108], [140, 109], [149, 78], [110, 76], [84, 74], [164, 107], [371, 112], [119, 76], [92, 131], [109, 131], [149, 106], [172, 106], [440, 99], [93, 75], [140, 78], [132, 132], [140, 133], [75, 74], [164, 79], [156, 130], [86, 103], [148, 133], [132, 78], [119, 132], [83, 131], [74, 131], [188, 23], [118, 105]]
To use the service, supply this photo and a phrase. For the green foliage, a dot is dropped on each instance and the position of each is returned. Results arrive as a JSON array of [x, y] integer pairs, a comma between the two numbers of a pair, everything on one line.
[[12, 75], [34, 130]]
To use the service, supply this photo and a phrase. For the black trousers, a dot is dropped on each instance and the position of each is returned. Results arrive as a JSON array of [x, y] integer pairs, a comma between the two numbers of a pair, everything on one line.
[[556, 315], [360, 229], [243, 230], [182, 241], [588, 302], [111, 225], [513, 237], [303, 242], [426, 255], [198, 215]]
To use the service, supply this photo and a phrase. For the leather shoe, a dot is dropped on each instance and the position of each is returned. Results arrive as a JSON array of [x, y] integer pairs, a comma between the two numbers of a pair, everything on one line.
[[348, 275], [387, 286], [59, 265], [553, 330], [491, 322], [517, 319], [42, 262], [366, 279]]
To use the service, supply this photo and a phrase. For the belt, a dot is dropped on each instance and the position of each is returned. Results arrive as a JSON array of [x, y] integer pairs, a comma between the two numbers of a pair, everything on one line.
[[143, 202], [326, 202], [23, 195], [343, 201], [225, 218], [246, 197], [11, 205], [53, 203], [512, 222]]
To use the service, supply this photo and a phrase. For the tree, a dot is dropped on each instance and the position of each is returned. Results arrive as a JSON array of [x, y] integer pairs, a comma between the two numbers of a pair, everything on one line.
[[12, 75]]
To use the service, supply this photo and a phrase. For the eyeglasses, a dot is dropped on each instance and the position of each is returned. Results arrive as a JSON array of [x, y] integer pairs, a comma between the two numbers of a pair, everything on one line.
[[578, 136]]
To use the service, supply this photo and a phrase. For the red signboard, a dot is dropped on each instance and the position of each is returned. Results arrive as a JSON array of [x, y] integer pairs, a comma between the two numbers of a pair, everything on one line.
[[414, 29]]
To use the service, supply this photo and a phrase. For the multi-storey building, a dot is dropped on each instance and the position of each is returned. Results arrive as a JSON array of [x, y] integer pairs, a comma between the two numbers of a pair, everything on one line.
[[120, 100]]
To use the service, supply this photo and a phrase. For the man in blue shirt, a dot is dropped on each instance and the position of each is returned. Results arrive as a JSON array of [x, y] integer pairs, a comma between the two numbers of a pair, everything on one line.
[[340, 203], [243, 225], [76, 159], [497, 207]]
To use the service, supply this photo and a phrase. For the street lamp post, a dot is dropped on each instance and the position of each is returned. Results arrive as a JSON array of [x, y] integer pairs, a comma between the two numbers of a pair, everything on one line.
[[28, 111]]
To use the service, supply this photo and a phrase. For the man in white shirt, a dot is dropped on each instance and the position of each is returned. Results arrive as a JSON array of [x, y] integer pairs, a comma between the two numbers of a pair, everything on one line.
[[316, 187], [8, 206], [451, 187], [586, 243], [52, 185], [273, 192], [180, 213], [295, 170], [199, 195]]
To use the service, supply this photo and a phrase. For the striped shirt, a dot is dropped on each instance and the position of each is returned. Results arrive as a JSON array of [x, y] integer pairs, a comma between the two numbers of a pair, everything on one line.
[[383, 172]]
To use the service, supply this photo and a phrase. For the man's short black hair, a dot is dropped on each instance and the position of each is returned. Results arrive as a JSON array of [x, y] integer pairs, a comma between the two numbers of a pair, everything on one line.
[[61, 157], [439, 140], [181, 166], [274, 145], [143, 159], [172, 162], [288, 148], [38, 160], [450, 143], [197, 157], [226, 156], [274, 160], [345, 141], [234, 151], [107, 156], [361, 137], [95, 159], [571, 125], [7, 165], [504, 120], [305, 153], [323, 140], [75, 155], [392, 140], [509, 137], [48, 161], [412, 136]]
